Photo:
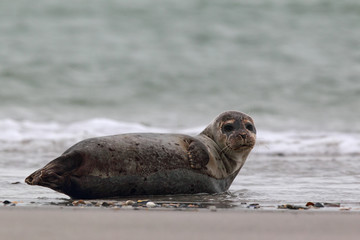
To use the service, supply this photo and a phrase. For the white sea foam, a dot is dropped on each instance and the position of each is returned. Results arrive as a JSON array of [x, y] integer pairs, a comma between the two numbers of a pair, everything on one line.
[[13, 131], [308, 143], [16, 134]]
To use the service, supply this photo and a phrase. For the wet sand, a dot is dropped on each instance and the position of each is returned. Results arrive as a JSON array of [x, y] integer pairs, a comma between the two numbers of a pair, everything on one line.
[[86, 223]]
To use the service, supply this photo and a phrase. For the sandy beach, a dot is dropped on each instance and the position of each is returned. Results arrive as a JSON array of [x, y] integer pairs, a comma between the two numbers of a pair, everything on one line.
[[76, 223]]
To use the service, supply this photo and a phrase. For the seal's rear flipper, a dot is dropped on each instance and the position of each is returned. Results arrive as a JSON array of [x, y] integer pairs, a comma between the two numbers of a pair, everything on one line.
[[55, 174]]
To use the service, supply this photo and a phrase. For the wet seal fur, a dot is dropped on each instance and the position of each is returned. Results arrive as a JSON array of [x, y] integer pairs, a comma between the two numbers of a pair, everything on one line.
[[153, 164]]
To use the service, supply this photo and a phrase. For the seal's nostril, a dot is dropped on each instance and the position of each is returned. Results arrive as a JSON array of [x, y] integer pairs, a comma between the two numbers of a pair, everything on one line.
[[243, 135]]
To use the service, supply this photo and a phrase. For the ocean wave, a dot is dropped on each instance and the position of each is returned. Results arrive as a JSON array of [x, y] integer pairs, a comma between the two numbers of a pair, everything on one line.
[[308, 143], [13, 130], [53, 136]]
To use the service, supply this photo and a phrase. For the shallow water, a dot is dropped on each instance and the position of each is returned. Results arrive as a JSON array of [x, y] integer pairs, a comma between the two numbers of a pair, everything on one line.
[[283, 168]]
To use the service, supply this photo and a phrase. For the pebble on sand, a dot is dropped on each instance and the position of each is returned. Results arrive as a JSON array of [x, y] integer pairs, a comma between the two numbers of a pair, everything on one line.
[[150, 204]]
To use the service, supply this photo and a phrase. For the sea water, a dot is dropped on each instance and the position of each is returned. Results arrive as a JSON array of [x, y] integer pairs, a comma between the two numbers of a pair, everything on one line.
[[70, 70]]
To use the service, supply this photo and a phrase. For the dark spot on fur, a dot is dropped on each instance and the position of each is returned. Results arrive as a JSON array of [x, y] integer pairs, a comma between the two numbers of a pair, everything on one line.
[[145, 179], [111, 149], [177, 144]]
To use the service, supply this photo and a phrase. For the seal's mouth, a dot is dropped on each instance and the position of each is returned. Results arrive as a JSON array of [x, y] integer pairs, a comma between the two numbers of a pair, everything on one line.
[[238, 148], [242, 147]]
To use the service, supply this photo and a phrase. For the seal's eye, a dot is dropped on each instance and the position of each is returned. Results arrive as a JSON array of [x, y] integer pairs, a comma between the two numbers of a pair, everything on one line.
[[250, 127], [228, 127]]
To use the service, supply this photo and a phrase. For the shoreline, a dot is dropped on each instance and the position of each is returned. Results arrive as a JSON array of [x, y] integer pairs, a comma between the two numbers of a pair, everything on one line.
[[107, 223], [183, 203]]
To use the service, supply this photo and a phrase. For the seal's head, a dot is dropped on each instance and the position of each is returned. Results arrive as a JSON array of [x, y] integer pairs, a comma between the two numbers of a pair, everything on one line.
[[234, 132]]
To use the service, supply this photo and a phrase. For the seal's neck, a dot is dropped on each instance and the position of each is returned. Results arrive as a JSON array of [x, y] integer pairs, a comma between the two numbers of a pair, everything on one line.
[[233, 162], [230, 162]]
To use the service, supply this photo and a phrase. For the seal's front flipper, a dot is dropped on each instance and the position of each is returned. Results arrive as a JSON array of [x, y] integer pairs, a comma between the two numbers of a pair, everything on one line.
[[198, 156], [55, 174]]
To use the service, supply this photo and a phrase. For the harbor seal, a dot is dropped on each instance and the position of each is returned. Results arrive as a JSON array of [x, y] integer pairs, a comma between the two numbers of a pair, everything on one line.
[[152, 164]]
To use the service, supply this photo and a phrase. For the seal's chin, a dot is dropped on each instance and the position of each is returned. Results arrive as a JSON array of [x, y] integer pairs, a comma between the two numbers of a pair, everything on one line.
[[237, 151]]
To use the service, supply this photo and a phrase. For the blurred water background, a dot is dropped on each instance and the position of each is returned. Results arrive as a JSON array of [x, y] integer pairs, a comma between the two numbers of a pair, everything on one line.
[[76, 69]]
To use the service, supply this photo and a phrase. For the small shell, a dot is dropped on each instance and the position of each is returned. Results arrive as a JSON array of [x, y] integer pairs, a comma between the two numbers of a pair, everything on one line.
[[129, 202], [345, 208], [150, 204]]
